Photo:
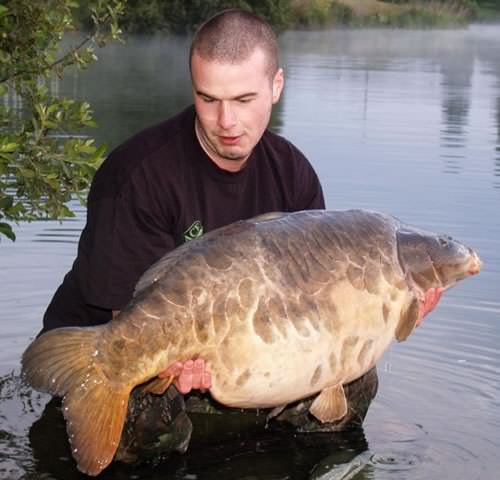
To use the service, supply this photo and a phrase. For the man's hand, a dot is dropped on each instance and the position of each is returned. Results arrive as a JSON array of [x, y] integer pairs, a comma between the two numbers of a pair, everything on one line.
[[190, 375]]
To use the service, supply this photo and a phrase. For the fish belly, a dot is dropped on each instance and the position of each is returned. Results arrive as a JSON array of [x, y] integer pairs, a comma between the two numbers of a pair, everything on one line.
[[276, 376], [248, 373], [287, 372]]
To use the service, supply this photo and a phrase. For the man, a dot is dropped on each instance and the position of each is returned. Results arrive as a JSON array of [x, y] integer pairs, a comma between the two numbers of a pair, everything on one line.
[[208, 166]]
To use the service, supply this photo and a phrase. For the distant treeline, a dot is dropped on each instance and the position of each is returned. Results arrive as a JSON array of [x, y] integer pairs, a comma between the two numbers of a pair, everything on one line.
[[181, 16]]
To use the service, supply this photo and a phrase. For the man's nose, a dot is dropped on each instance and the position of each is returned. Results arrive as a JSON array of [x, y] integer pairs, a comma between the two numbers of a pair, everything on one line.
[[227, 117]]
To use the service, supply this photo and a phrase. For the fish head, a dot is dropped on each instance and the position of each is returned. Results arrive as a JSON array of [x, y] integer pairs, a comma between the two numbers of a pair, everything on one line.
[[431, 261]]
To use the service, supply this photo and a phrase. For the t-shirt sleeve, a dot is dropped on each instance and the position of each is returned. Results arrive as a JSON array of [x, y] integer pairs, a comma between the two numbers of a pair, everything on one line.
[[308, 190], [127, 231]]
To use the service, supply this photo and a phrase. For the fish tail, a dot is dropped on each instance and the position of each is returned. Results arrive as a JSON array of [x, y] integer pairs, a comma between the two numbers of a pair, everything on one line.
[[63, 362]]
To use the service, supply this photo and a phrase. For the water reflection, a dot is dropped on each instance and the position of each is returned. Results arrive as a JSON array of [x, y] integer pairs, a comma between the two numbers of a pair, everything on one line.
[[133, 85], [456, 72], [487, 52], [243, 450], [496, 167], [149, 76]]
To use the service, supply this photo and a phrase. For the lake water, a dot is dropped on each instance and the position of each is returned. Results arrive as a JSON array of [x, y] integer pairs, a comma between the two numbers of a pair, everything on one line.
[[406, 122]]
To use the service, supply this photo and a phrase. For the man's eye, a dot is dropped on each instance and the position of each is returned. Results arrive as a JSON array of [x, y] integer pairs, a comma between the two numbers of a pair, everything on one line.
[[245, 100], [207, 99]]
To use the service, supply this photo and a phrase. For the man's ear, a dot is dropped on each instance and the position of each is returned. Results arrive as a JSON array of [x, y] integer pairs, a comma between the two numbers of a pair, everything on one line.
[[278, 83]]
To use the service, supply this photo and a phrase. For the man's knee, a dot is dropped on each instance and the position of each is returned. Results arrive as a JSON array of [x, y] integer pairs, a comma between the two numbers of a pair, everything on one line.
[[155, 425]]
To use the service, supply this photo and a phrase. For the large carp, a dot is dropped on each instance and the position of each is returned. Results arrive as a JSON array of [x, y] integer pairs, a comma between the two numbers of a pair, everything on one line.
[[281, 307]]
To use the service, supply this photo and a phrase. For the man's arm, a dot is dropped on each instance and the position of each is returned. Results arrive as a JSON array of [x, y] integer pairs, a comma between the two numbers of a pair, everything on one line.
[[306, 185]]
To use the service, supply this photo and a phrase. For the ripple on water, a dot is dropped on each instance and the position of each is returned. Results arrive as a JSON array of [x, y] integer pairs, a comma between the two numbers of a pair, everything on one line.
[[420, 457], [19, 408], [413, 461], [395, 460]]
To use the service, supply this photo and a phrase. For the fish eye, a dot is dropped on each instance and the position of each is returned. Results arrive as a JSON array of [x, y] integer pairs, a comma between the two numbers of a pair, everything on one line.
[[445, 241]]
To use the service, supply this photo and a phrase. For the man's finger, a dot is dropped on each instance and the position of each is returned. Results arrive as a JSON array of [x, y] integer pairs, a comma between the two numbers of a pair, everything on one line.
[[189, 375], [185, 381], [198, 371], [173, 369]]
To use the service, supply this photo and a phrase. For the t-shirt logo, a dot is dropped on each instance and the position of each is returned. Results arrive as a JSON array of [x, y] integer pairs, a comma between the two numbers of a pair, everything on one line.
[[194, 231]]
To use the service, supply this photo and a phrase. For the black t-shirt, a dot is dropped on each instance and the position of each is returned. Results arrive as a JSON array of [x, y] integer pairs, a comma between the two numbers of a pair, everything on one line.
[[158, 190]]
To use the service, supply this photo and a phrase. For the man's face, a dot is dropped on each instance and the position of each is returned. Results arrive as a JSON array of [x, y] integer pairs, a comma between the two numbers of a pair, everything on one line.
[[233, 106]]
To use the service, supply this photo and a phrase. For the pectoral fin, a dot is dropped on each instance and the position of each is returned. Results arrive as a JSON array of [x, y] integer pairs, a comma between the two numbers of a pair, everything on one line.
[[330, 404], [408, 320], [158, 385]]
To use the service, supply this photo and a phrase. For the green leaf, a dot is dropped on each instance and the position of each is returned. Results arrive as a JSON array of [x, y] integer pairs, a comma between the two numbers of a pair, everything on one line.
[[6, 229], [7, 147], [99, 153], [66, 212], [43, 160], [6, 202]]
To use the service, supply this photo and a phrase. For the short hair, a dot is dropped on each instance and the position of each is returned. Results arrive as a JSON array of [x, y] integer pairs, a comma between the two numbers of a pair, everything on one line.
[[231, 36]]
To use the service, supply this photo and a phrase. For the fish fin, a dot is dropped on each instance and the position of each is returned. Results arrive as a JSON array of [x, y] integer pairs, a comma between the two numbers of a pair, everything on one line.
[[157, 385], [95, 417], [275, 411], [408, 320], [156, 271], [330, 404], [60, 359], [65, 362], [264, 217]]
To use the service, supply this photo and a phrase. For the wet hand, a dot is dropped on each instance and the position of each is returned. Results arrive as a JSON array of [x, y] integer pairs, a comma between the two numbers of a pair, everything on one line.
[[190, 375]]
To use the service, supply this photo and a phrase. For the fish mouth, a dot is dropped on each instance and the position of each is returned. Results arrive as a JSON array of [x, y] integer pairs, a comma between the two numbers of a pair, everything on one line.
[[475, 264], [474, 267]]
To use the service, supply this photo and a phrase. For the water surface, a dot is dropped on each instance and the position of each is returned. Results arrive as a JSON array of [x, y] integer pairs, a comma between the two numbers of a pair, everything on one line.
[[407, 122]]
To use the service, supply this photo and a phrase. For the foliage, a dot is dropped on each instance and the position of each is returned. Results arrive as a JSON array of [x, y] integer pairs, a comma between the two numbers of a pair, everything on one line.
[[493, 4], [181, 16], [311, 12], [488, 10], [426, 14], [403, 13], [43, 163], [341, 14]]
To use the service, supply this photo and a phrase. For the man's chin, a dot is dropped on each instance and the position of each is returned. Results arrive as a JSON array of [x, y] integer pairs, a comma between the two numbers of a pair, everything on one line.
[[235, 156]]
